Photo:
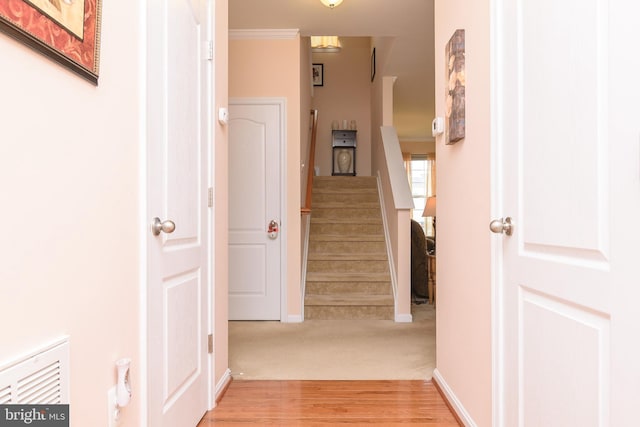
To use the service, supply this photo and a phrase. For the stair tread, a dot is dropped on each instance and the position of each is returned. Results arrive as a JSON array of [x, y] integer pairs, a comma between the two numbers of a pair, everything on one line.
[[346, 257], [342, 238], [324, 204], [345, 220], [349, 300], [347, 277]]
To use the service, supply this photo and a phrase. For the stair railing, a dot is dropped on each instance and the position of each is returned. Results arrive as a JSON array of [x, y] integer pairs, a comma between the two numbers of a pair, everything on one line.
[[306, 209]]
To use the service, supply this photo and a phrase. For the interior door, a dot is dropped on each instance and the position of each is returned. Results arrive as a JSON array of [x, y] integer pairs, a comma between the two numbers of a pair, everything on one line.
[[178, 254], [255, 135], [567, 133]]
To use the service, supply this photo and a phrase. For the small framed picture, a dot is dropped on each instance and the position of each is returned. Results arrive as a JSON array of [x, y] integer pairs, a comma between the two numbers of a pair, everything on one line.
[[373, 64], [318, 74]]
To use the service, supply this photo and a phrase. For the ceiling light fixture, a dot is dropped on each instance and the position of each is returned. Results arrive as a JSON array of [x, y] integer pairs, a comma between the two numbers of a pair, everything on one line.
[[331, 3], [325, 44]]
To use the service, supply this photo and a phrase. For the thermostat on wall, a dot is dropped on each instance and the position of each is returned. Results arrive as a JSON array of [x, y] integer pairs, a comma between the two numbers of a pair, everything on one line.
[[437, 126], [223, 115]]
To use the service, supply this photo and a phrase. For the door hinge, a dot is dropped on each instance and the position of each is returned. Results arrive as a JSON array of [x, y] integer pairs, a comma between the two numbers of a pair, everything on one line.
[[210, 202], [210, 343], [208, 50]]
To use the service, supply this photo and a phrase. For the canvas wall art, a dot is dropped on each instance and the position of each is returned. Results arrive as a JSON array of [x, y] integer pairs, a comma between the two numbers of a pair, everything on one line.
[[455, 100]]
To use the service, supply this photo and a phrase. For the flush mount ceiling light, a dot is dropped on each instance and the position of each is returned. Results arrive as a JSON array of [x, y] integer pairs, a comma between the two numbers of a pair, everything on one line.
[[325, 44], [331, 3]]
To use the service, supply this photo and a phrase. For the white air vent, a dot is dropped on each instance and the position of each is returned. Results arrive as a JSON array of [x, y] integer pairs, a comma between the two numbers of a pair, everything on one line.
[[42, 377]]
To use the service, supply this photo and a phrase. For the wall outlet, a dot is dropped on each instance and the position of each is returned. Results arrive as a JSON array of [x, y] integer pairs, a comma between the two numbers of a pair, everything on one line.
[[113, 409]]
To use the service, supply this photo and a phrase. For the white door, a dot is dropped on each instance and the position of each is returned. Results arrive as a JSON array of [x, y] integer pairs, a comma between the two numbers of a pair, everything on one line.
[[567, 127], [178, 146], [255, 136]]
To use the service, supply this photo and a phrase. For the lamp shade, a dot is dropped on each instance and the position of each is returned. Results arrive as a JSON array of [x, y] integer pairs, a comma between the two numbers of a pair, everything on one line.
[[430, 207]]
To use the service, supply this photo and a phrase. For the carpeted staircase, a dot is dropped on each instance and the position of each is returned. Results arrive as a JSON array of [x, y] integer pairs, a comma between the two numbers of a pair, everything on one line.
[[347, 268]]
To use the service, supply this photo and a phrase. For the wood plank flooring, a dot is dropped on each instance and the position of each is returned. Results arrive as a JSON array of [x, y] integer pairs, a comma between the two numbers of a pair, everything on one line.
[[327, 403]]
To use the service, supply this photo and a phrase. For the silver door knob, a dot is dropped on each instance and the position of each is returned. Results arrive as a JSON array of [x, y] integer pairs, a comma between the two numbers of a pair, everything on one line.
[[158, 226], [502, 226]]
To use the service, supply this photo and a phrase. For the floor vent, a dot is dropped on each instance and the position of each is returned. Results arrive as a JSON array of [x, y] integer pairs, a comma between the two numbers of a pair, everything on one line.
[[42, 377]]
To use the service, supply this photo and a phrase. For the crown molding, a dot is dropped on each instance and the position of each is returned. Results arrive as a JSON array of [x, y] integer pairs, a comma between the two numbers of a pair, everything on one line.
[[267, 34]]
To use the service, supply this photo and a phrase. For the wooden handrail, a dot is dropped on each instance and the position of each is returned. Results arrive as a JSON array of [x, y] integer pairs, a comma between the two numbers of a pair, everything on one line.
[[306, 209]]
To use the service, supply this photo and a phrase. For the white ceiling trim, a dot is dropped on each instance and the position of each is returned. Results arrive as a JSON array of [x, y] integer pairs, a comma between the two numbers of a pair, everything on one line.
[[286, 34]]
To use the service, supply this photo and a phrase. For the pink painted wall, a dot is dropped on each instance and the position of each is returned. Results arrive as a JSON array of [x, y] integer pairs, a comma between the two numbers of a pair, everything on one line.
[[306, 89], [70, 190], [271, 68], [346, 95], [463, 237]]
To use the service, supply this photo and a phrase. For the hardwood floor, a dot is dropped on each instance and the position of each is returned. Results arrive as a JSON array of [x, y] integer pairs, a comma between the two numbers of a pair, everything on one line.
[[326, 403]]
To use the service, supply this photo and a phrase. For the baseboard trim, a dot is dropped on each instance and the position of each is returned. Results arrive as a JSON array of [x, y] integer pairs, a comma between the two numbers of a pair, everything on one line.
[[295, 318], [404, 318], [223, 385], [452, 400]]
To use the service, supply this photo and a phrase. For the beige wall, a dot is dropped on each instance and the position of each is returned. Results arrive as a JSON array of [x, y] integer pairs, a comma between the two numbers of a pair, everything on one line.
[[271, 68], [418, 147], [70, 190], [463, 188], [345, 95]]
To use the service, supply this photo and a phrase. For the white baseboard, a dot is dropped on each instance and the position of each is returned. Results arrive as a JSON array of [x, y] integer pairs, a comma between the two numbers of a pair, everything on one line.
[[453, 400], [404, 318], [222, 384], [295, 318]]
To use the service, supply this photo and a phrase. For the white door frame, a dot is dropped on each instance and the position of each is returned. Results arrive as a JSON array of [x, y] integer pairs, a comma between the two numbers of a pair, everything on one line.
[[497, 211], [496, 249], [281, 103]]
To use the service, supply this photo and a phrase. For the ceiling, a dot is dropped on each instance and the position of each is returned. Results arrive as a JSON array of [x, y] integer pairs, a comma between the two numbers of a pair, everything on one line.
[[405, 27]]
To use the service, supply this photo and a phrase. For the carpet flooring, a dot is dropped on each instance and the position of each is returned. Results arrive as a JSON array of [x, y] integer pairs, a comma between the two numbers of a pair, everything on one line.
[[334, 349]]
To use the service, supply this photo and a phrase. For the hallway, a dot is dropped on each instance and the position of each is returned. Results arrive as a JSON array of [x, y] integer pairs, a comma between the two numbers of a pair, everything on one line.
[[325, 403]]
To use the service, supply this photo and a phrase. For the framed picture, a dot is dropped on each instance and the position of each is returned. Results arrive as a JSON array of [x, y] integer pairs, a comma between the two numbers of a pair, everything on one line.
[[318, 74], [373, 64], [66, 31]]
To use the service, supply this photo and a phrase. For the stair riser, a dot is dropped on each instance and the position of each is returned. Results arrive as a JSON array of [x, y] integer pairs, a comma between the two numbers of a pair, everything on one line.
[[346, 229], [348, 288], [350, 213], [348, 266], [351, 248], [349, 199], [348, 313], [344, 182]]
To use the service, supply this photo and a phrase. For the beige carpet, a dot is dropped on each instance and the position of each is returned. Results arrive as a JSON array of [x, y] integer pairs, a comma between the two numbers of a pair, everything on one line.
[[334, 349]]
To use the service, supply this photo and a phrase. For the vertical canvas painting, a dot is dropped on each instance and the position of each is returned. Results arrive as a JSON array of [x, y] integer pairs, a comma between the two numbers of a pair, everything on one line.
[[454, 59]]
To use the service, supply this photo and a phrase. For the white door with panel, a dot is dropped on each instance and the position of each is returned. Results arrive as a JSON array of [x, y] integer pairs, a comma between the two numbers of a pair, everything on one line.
[[567, 137], [255, 231], [178, 244]]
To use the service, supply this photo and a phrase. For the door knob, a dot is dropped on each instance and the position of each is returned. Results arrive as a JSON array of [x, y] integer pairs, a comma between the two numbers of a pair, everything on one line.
[[272, 231], [502, 226], [158, 226]]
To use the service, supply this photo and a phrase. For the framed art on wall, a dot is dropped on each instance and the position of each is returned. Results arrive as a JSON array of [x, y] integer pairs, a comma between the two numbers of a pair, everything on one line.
[[373, 64], [67, 31], [455, 90], [318, 74]]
